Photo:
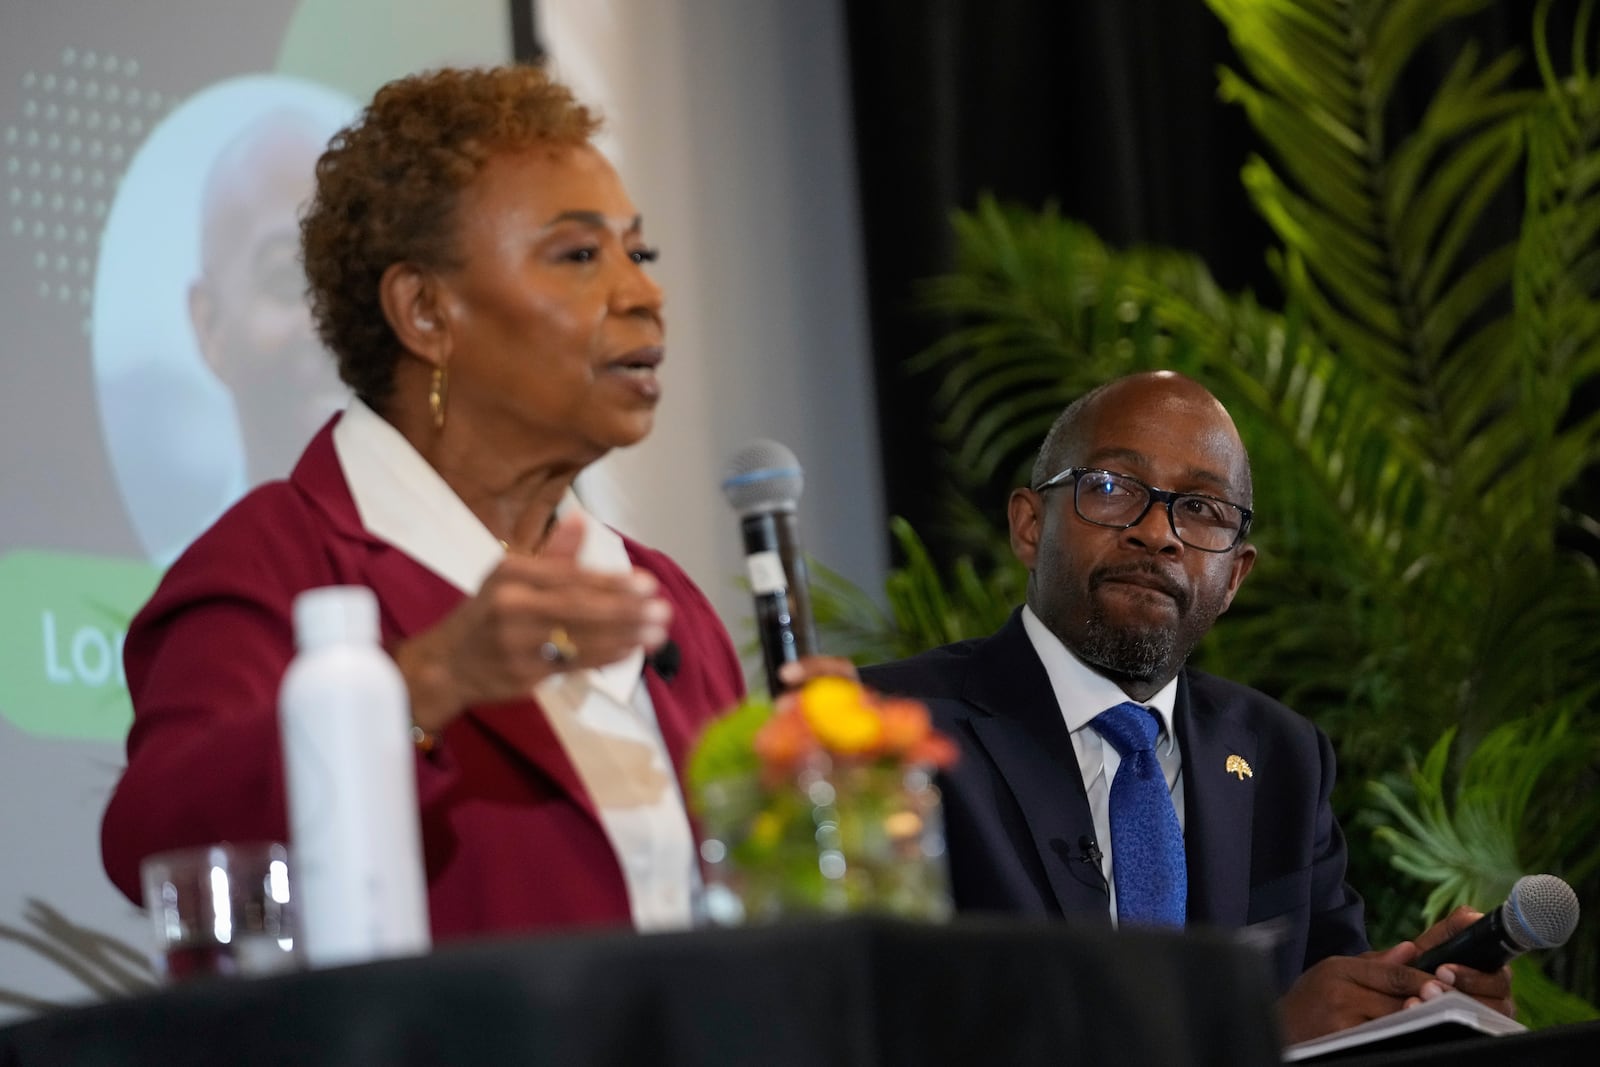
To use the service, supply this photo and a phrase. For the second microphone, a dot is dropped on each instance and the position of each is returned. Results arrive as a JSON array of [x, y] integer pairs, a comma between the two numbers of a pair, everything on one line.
[[763, 482]]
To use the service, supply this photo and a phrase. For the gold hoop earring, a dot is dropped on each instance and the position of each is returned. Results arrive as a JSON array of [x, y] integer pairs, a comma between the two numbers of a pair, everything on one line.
[[438, 395]]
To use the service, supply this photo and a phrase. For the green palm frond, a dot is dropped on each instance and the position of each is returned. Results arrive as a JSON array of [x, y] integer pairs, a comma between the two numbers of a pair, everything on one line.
[[1472, 839], [1462, 455], [926, 607], [1508, 812], [1398, 265], [1558, 266], [1542, 1002], [1042, 302], [1376, 236]]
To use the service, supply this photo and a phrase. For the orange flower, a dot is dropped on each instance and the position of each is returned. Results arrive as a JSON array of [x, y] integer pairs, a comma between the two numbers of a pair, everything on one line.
[[835, 718], [935, 750], [905, 723], [784, 741]]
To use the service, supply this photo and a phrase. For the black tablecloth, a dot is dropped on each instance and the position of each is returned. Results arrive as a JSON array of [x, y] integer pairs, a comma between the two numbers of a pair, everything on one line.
[[860, 991]]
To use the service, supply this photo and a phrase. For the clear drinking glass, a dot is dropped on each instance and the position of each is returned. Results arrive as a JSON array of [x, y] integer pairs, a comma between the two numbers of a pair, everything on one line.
[[837, 840], [220, 910]]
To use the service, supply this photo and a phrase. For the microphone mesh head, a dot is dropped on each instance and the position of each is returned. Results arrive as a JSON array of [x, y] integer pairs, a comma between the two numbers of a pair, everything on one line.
[[1540, 912], [762, 476]]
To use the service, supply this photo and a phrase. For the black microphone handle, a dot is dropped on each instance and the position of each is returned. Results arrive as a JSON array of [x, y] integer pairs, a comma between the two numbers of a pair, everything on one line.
[[1483, 946], [794, 565], [768, 583], [777, 637]]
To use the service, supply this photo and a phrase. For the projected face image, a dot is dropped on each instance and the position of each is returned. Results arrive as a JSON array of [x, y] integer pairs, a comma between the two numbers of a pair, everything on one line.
[[210, 377], [248, 307]]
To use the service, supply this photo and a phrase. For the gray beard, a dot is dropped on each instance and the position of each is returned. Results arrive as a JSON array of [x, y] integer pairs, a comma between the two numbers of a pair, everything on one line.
[[1139, 654]]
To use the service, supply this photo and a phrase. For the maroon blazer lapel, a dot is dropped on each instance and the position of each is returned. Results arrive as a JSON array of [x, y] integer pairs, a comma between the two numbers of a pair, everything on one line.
[[413, 599]]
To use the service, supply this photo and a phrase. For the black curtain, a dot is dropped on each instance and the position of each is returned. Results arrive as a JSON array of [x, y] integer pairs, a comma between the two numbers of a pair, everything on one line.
[[525, 44], [1107, 107]]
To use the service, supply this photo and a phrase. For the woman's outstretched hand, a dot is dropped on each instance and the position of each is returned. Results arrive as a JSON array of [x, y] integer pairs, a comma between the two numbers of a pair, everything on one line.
[[534, 616]]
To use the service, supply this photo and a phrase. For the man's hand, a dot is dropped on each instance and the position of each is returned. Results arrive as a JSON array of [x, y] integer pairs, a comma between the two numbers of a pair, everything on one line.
[[798, 672], [1342, 991], [1493, 988]]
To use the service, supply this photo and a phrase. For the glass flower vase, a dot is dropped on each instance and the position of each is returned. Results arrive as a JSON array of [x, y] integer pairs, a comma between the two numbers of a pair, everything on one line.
[[839, 838]]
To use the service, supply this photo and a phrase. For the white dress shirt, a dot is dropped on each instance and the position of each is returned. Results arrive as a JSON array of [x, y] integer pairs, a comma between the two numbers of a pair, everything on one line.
[[1081, 694], [603, 717]]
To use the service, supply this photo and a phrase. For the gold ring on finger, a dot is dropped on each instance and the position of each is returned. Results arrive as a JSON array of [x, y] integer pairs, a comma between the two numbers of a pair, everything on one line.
[[558, 648]]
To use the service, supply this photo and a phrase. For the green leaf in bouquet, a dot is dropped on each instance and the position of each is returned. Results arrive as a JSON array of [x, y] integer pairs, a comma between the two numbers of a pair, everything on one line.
[[726, 749]]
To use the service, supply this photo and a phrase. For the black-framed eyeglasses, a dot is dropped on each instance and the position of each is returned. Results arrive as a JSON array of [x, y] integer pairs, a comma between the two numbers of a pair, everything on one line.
[[1119, 501]]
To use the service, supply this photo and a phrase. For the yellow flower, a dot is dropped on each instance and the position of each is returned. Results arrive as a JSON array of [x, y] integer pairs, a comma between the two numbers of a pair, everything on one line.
[[766, 830], [838, 713]]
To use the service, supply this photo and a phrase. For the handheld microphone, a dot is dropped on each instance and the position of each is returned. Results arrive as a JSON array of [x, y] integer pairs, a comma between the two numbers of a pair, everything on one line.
[[1541, 911], [762, 483]]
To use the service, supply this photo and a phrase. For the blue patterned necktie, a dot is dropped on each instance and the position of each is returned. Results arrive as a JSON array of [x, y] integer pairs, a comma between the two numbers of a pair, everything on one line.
[[1146, 841]]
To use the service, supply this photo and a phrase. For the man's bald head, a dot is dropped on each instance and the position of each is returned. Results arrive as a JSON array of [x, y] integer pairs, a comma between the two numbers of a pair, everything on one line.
[[248, 306], [272, 160], [1151, 391]]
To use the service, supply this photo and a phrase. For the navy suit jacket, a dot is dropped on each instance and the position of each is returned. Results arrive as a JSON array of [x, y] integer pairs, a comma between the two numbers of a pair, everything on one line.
[[1264, 850]]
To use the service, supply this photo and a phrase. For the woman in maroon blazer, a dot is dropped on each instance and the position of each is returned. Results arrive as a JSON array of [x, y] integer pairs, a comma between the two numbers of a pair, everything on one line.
[[479, 273]]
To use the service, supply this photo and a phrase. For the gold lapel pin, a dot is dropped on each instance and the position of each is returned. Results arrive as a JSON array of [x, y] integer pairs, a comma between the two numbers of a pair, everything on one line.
[[1240, 766]]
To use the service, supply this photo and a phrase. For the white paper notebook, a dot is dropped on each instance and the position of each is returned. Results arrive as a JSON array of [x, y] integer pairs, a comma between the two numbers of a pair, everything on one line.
[[1450, 1010]]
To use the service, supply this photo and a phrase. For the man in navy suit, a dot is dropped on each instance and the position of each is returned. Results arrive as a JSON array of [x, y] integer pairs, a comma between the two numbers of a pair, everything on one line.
[[1125, 579]]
